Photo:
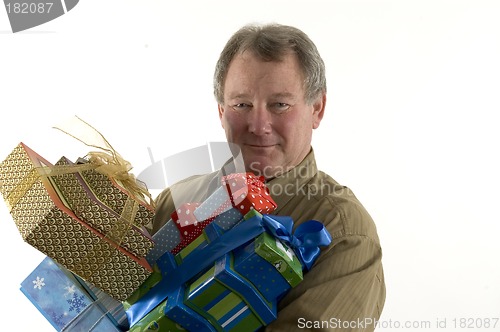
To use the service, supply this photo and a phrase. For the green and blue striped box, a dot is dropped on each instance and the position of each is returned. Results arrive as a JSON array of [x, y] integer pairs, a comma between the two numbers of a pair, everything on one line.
[[228, 301]]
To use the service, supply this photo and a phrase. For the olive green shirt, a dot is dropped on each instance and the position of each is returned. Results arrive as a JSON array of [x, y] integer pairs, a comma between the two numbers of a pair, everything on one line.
[[345, 289]]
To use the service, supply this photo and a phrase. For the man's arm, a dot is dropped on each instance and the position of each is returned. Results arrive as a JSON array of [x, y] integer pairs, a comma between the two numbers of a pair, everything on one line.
[[345, 287], [344, 290]]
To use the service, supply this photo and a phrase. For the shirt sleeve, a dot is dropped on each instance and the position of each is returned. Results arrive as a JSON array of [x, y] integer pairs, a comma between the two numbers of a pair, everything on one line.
[[164, 208], [345, 289]]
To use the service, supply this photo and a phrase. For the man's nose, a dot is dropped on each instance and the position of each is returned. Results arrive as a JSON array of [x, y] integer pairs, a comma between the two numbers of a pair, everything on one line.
[[259, 121]]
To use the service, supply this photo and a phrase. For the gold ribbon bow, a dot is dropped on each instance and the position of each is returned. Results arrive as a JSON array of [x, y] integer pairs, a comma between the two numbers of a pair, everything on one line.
[[107, 161]]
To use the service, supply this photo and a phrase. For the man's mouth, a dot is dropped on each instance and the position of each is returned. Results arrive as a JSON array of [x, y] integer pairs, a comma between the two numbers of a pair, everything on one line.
[[262, 146]]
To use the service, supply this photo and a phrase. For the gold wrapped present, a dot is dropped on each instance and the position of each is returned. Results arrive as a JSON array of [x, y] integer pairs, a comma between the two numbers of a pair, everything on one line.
[[83, 202], [46, 222]]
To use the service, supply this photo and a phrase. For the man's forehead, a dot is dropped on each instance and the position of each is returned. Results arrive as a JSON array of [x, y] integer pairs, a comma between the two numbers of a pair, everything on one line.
[[274, 79]]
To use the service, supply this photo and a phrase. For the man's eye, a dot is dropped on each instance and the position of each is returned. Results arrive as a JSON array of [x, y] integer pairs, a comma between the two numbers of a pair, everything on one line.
[[241, 107], [280, 107]]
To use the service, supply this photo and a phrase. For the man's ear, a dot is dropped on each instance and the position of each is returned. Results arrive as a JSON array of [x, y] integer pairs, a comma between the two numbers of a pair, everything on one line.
[[221, 113], [318, 110]]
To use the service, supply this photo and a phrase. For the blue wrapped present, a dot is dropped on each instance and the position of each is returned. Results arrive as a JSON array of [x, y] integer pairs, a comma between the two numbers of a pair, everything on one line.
[[218, 202], [62, 300], [170, 314], [216, 208], [166, 239], [114, 309], [219, 208]]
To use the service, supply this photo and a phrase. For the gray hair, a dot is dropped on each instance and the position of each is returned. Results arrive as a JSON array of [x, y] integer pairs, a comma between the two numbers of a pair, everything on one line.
[[271, 42]]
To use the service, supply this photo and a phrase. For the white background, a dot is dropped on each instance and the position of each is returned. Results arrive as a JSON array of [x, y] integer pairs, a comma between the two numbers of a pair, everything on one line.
[[410, 123]]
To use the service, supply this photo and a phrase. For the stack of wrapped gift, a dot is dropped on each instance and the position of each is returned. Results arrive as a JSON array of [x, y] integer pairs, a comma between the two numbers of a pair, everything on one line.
[[218, 265], [84, 220], [230, 272]]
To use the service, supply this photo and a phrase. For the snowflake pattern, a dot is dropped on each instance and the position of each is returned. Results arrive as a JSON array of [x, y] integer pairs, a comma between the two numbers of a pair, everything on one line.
[[77, 303], [59, 320], [70, 290], [38, 283]]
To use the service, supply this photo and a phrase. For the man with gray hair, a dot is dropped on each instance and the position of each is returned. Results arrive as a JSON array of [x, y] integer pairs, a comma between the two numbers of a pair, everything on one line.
[[270, 87]]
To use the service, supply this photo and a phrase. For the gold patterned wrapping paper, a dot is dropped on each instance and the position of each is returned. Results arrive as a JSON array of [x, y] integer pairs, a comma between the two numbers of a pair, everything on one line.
[[45, 222], [87, 207], [115, 197]]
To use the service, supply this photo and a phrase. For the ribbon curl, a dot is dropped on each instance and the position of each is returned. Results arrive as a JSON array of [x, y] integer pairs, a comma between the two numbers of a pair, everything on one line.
[[107, 161]]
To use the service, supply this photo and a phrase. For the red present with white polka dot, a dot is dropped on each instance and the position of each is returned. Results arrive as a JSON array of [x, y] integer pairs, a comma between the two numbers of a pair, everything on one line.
[[189, 227], [248, 191]]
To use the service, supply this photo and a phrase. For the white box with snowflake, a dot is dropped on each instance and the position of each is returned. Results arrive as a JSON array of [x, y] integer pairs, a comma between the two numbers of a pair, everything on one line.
[[62, 301]]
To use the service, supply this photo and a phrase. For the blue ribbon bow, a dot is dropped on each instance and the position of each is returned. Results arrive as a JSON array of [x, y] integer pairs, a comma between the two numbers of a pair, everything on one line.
[[306, 239]]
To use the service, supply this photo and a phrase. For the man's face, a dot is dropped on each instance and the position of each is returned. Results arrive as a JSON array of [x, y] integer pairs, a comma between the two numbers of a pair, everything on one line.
[[266, 115]]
